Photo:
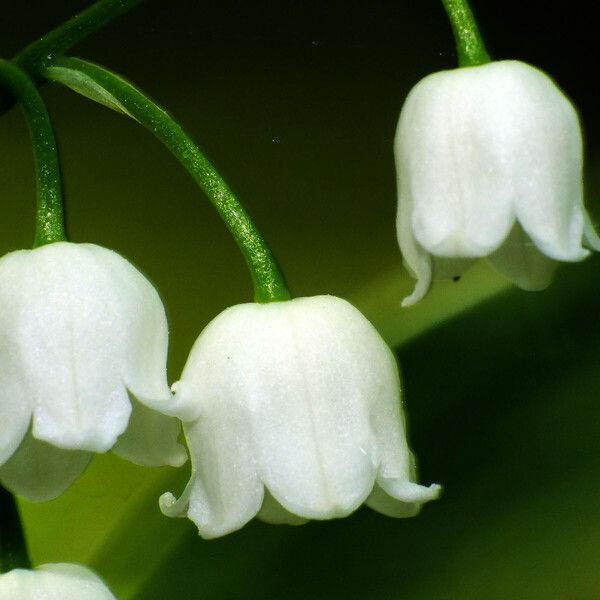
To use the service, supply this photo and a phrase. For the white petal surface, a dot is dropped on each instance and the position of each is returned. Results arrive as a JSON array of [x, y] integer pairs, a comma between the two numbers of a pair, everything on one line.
[[151, 439], [15, 400], [83, 319], [383, 503], [415, 258], [452, 163], [15, 407], [397, 473], [39, 471], [519, 260], [56, 581], [292, 379], [544, 143], [225, 491], [273, 513]]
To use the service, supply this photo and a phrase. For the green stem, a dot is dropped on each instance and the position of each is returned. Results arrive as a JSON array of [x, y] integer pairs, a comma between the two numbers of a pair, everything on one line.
[[13, 548], [110, 89], [469, 43], [58, 41], [49, 215]]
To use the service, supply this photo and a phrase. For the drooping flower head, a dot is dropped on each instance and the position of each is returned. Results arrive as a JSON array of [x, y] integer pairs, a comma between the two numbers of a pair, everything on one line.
[[489, 163], [292, 411], [80, 329], [53, 581]]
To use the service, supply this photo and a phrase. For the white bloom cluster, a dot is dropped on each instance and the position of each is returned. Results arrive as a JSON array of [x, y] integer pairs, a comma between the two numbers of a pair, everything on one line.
[[292, 410]]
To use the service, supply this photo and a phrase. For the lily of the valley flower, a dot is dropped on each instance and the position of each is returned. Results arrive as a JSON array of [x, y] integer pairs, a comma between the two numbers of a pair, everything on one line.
[[80, 328], [53, 581], [489, 163], [293, 412]]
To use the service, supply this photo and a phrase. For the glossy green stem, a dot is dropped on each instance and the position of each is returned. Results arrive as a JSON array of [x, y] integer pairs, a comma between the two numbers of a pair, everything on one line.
[[13, 548], [58, 41], [112, 90], [469, 43], [49, 214]]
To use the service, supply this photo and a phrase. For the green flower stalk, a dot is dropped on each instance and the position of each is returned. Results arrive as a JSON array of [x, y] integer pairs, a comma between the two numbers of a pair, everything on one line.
[[65, 36], [469, 43], [49, 215], [110, 89]]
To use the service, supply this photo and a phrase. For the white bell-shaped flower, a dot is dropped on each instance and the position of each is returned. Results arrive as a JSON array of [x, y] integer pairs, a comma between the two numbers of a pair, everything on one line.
[[292, 411], [489, 163], [80, 329], [53, 581]]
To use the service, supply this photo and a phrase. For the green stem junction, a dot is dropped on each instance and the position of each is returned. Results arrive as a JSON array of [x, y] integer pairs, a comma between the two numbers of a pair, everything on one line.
[[469, 43]]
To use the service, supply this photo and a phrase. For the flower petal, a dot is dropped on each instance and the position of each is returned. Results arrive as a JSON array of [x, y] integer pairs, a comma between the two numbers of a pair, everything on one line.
[[396, 489], [67, 332], [451, 164], [84, 323], [519, 260], [313, 369], [55, 581], [224, 491], [272, 512], [15, 410], [151, 439], [145, 358], [405, 502], [546, 153], [39, 471], [416, 260]]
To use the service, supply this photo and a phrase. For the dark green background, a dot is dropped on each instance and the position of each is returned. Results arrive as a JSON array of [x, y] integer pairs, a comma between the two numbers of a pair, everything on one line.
[[296, 103]]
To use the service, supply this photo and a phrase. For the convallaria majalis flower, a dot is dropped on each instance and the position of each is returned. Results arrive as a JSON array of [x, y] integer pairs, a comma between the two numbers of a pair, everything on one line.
[[80, 329], [53, 581], [489, 164], [292, 411]]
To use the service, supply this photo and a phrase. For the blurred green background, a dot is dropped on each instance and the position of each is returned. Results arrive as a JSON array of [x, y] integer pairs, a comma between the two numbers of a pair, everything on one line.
[[296, 103]]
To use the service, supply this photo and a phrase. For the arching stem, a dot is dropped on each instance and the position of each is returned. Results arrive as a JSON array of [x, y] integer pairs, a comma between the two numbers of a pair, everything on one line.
[[50, 225], [110, 89]]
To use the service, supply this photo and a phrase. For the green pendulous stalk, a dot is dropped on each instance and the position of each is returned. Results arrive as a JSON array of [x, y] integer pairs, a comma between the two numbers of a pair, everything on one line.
[[49, 214], [43, 59], [469, 43], [112, 90], [64, 37]]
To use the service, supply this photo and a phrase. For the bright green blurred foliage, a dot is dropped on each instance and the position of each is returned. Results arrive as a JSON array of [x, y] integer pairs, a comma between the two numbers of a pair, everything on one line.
[[296, 104]]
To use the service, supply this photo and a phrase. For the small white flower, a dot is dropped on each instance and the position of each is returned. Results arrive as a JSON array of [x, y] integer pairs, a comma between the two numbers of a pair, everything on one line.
[[53, 581], [489, 163], [80, 327], [292, 411]]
